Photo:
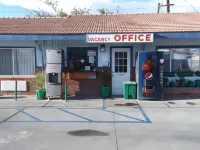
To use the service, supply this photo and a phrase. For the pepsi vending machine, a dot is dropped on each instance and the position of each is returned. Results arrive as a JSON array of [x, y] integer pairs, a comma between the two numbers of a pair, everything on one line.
[[149, 74]]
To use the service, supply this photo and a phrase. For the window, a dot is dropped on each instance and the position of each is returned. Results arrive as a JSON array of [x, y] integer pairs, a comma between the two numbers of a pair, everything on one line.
[[181, 59], [17, 61], [120, 62], [82, 59]]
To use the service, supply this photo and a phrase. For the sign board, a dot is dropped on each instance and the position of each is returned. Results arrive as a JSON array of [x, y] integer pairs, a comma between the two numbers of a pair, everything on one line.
[[53, 68], [91, 53], [119, 38], [91, 76], [10, 86]]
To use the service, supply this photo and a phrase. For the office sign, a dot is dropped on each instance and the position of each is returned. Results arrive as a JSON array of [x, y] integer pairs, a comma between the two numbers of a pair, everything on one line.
[[119, 38]]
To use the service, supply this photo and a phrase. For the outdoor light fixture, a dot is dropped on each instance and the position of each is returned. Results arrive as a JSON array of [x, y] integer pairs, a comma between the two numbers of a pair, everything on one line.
[[102, 48]]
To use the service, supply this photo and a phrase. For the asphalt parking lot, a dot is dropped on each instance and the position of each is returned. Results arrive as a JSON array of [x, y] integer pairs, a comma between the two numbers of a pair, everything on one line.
[[151, 126]]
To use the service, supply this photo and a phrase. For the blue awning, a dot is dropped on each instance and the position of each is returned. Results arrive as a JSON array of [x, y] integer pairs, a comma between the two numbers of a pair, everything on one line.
[[83, 36]]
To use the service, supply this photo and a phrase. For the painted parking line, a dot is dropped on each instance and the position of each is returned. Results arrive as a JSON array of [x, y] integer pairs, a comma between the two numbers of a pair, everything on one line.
[[29, 115], [121, 122], [123, 115], [144, 114], [87, 120], [64, 110]]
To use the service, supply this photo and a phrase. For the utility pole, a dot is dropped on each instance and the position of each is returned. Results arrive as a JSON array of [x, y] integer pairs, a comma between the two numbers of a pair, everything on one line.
[[168, 5], [159, 6]]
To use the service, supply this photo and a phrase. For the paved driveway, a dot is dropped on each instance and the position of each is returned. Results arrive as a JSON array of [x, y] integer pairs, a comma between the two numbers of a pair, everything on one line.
[[78, 115], [154, 126]]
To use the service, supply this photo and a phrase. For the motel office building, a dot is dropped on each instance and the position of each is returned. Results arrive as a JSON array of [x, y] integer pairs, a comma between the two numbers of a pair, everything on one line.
[[114, 41]]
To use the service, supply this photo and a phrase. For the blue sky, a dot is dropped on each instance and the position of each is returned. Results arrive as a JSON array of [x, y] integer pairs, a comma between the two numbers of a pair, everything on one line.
[[17, 8], [12, 11]]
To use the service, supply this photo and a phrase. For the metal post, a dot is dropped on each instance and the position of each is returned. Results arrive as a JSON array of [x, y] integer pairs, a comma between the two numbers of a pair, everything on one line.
[[15, 90], [65, 91], [104, 103]]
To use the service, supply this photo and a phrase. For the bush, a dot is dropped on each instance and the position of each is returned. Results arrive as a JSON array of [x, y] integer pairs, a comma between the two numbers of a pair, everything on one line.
[[40, 81]]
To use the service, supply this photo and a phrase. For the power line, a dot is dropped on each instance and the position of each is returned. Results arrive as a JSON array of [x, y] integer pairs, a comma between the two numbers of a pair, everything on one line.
[[191, 6]]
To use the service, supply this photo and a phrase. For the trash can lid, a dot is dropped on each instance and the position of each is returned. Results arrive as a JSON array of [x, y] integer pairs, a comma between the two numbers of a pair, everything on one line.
[[129, 82]]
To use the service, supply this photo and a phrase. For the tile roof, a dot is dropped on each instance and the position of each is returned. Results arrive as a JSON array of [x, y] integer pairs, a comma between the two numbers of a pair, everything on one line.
[[81, 24]]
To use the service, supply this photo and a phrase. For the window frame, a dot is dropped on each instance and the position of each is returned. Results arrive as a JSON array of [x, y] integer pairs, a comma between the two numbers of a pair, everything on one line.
[[178, 47], [35, 58], [79, 48]]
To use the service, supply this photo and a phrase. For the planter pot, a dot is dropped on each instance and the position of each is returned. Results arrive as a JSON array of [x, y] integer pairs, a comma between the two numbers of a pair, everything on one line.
[[197, 73], [190, 84], [183, 84], [197, 82], [169, 74], [172, 84], [185, 74], [105, 91], [166, 84], [41, 94]]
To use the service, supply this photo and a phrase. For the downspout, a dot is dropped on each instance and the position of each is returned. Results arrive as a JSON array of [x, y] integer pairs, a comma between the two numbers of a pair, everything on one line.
[[40, 46]]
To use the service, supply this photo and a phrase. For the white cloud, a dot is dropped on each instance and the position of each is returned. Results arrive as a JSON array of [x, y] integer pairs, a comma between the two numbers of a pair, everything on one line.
[[135, 6]]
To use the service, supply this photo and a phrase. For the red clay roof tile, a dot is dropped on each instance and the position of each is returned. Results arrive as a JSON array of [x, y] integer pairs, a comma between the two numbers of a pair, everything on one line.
[[81, 24]]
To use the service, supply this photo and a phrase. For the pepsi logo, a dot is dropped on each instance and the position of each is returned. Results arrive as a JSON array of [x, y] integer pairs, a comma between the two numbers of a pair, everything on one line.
[[148, 76]]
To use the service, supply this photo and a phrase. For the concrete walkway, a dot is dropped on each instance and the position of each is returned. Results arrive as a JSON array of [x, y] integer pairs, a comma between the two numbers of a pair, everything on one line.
[[31, 101]]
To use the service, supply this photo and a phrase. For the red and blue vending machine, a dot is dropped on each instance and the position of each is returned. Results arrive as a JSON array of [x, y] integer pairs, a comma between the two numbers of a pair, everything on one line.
[[149, 75]]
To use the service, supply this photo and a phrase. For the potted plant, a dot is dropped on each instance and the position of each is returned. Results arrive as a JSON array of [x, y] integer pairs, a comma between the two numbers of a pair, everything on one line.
[[105, 77], [40, 83], [197, 83], [190, 83], [197, 73], [182, 82], [165, 82], [188, 73], [172, 83]]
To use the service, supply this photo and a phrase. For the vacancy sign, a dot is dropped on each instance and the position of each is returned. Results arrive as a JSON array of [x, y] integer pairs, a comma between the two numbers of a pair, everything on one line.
[[119, 38]]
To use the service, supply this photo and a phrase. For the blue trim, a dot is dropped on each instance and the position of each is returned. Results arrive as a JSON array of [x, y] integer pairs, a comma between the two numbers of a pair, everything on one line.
[[123, 115], [178, 46], [75, 114], [83, 36], [144, 114], [42, 37], [29, 115], [177, 35]]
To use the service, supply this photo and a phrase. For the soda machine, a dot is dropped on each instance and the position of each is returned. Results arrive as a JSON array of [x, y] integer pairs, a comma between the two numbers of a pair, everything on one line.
[[149, 75]]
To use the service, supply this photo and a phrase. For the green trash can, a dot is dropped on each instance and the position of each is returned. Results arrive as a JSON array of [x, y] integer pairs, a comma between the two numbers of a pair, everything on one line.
[[105, 91], [130, 90]]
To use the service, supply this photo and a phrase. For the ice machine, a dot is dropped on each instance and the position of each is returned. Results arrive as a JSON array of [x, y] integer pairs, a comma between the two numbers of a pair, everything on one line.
[[54, 69]]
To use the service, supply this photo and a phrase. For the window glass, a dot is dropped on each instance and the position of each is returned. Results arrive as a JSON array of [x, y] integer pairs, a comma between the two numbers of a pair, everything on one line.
[[181, 59], [17, 61], [82, 59], [120, 62]]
